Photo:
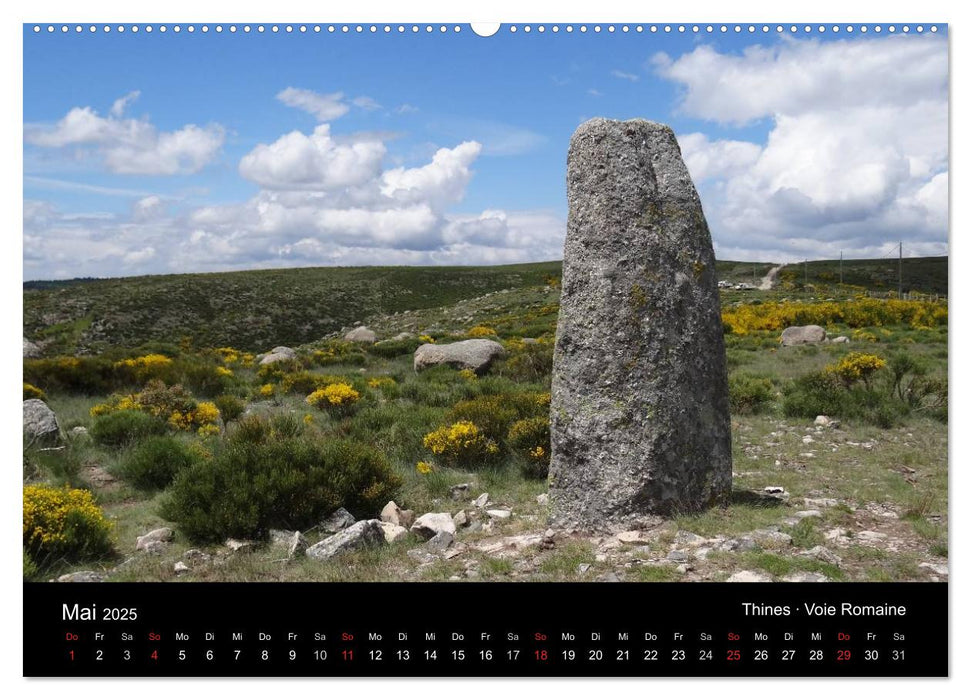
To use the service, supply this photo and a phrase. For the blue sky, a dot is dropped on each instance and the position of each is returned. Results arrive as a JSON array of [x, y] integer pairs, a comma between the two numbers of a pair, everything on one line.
[[148, 153]]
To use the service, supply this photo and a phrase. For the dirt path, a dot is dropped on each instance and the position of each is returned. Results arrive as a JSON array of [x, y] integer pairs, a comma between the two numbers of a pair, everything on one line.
[[769, 279]]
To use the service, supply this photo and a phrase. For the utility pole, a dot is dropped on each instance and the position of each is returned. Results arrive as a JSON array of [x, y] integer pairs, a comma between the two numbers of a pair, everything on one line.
[[900, 272]]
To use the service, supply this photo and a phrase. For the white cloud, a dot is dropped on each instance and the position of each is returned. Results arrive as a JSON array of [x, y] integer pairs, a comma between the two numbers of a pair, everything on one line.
[[326, 107], [131, 146], [297, 161], [405, 109], [366, 103], [440, 182], [119, 106], [856, 151], [633, 77]]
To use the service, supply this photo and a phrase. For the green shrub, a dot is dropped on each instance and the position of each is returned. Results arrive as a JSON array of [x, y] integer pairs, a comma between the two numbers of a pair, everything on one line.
[[230, 407], [72, 375], [32, 392], [495, 413], [748, 394], [335, 352], [30, 568], [530, 439], [204, 378], [395, 348], [819, 393], [154, 463], [124, 427], [528, 363], [63, 524], [260, 480]]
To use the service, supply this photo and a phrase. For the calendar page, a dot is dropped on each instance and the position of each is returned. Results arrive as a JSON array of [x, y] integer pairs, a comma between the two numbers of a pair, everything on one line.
[[518, 349]]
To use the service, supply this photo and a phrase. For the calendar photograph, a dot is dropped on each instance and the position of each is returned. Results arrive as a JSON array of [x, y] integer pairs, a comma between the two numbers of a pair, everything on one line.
[[450, 303]]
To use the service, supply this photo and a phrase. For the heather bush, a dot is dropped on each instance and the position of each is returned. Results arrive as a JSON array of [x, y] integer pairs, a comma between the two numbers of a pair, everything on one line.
[[154, 463], [124, 427]]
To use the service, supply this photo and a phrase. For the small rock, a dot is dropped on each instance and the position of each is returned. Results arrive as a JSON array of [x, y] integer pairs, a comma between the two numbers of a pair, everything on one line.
[[460, 519], [361, 534], [806, 439], [391, 513], [688, 539], [840, 339], [481, 501], [677, 555], [543, 499], [939, 569], [583, 568], [630, 536], [822, 420], [820, 502], [239, 545], [738, 544], [440, 542], [82, 577], [392, 532], [280, 353], [430, 524], [803, 335], [195, 555], [772, 537], [499, 514], [162, 534], [180, 567], [40, 423], [837, 533], [457, 492], [78, 431], [807, 514], [870, 537], [361, 334], [748, 577], [824, 555], [337, 521], [295, 543], [805, 577], [610, 577]]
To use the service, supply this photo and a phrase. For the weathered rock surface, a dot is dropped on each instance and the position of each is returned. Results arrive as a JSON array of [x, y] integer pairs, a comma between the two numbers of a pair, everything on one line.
[[430, 524], [475, 354], [749, 577], [293, 540], [364, 533], [392, 532], [803, 335], [391, 513], [337, 521], [149, 539], [31, 350], [640, 419], [361, 334], [40, 423], [279, 354], [82, 577]]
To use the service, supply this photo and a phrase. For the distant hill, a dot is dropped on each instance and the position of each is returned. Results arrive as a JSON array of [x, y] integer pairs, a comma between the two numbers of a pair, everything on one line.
[[257, 310]]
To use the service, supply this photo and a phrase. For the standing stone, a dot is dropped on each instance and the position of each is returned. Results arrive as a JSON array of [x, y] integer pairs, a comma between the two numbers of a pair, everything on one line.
[[639, 416], [40, 423]]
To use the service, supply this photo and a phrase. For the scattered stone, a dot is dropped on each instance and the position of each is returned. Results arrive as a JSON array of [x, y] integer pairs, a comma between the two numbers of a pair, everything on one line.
[[677, 555], [78, 431], [430, 524], [195, 555], [749, 577], [405, 335], [840, 339], [772, 537], [820, 502], [481, 501], [807, 439], [805, 577], [499, 514], [361, 334], [800, 514], [364, 533], [460, 519], [391, 513], [776, 492], [688, 539], [476, 354], [630, 536], [40, 423], [939, 569], [393, 533], [162, 534], [738, 544], [583, 568], [295, 543], [234, 545], [82, 577], [280, 353], [610, 577], [870, 537], [31, 350], [824, 555], [457, 492], [440, 542], [499, 546], [822, 420], [803, 335], [180, 568], [837, 533], [337, 521], [543, 499]]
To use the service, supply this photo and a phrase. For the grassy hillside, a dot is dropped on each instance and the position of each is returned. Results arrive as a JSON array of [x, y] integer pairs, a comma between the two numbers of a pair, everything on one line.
[[257, 310]]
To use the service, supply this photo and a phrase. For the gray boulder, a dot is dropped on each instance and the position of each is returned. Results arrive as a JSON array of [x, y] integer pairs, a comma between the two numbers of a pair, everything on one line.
[[395, 515], [337, 521], [803, 335], [430, 524], [31, 350], [475, 354], [361, 334], [364, 533], [40, 423], [639, 418], [151, 540], [280, 353]]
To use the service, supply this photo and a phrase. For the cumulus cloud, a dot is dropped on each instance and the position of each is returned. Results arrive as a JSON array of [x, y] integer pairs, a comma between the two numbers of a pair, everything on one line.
[[856, 152], [131, 146]]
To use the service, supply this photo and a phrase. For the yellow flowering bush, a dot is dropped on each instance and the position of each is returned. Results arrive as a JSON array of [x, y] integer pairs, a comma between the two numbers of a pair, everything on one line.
[[426, 338], [481, 332], [267, 391], [115, 403], [460, 443], [224, 372], [530, 438], [424, 468], [337, 397], [32, 392], [202, 418], [381, 382], [63, 523], [468, 375], [855, 313], [146, 367], [857, 366]]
